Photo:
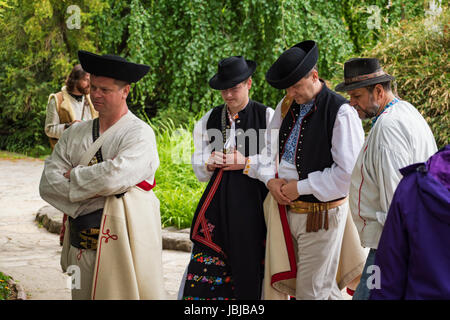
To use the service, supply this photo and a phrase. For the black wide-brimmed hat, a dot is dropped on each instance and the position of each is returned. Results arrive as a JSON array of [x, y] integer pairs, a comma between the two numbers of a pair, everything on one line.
[[112, 66], [293, 64], [362, 72], [232, 71]]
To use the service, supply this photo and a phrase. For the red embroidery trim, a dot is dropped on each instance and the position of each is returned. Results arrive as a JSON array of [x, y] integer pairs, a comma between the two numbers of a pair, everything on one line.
[[114, 237], [201, 218], [79, 254], [109, 236], [360, 188], [292, 273]]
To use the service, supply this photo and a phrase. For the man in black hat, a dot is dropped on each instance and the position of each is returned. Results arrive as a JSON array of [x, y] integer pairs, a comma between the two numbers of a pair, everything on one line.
[[228, 229], [399, 137], [91, 176], [319, 137]]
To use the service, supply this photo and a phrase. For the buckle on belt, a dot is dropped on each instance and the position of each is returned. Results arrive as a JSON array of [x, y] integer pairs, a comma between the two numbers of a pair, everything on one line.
[[317, 213], [89, 238]]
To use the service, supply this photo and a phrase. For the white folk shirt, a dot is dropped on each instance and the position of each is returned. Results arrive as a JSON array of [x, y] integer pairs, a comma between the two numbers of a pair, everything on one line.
[[400, 137], [329, 184], [53, 126], [202, 147], [130, 156]]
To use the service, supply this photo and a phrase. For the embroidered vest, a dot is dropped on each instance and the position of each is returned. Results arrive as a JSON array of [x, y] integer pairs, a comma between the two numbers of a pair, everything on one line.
[[314, 140], [65, 110]]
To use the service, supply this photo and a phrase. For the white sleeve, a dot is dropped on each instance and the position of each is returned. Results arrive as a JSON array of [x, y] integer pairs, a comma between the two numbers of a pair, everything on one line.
[[392, 155], [202, 149], [263, 165], [54, 187], [347, 141], [136, 160], [53, 128]]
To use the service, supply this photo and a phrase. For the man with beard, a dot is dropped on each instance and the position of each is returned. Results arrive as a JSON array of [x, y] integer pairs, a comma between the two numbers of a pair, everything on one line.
[[72, 104], [399, 137]]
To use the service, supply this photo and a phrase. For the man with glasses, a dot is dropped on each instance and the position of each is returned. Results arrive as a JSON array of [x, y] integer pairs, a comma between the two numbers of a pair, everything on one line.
[[228, 229]]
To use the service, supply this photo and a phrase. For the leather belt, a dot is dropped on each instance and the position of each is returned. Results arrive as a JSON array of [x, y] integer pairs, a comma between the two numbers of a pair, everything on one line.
[[316, 218], [308, 207], [84, 230]]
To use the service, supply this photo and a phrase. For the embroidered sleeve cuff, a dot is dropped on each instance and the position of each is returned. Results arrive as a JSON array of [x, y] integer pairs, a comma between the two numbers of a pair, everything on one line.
[[247, 166]]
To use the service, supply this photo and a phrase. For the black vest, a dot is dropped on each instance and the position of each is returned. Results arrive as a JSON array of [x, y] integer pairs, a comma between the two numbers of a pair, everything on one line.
[[253, 116], [314, 141]]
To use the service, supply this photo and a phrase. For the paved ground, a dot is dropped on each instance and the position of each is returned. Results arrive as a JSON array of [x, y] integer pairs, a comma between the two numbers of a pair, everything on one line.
[[31, 254]]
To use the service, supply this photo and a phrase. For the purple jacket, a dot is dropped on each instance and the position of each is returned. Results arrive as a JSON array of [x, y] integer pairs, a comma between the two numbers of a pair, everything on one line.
[[414, 250]]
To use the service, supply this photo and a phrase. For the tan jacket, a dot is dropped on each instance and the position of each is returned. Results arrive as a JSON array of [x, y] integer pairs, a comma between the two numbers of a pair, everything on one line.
[[65, 111]]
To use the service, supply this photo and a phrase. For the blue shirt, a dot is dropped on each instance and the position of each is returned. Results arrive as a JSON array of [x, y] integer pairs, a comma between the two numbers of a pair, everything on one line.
[[290, 147]]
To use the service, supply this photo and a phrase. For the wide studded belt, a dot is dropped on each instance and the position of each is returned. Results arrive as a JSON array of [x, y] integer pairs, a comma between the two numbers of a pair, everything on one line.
[[317, 212], [84, 230]]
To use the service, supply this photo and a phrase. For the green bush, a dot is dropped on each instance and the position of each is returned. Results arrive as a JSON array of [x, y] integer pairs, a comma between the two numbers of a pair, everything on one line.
[[177, 187], [37, 51], [181, 40], [416, 53], [5, 290]]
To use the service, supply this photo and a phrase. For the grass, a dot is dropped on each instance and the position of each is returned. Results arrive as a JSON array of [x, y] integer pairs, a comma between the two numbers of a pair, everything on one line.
[[5, 290], [6, 155]]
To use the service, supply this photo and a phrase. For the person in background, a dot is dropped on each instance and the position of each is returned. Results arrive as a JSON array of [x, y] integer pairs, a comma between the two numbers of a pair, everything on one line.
[[70, 105]]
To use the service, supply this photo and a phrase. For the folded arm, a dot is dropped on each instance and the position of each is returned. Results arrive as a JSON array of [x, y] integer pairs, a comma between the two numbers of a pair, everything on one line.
[[136, 160]]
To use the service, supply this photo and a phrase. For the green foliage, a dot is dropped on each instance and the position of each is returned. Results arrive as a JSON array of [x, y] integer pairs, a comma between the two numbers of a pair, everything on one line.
[[368, 20], [416, 53], [182, 41], [177, 188], [37, 51], [5, 290]]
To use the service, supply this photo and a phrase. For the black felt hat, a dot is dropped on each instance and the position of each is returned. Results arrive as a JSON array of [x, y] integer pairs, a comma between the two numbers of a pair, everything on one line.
[[112, 66], [362, 72], [293, 64], [232, 71]]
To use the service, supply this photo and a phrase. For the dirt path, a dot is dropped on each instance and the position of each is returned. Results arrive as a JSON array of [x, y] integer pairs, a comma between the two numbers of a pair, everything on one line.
[[31, 254]]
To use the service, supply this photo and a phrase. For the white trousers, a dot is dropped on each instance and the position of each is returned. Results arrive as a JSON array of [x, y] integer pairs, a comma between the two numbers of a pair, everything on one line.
[[318, 255], [82, 264]]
